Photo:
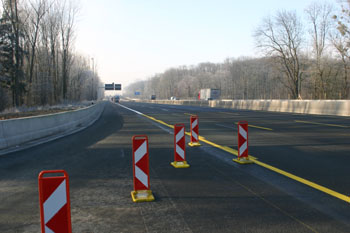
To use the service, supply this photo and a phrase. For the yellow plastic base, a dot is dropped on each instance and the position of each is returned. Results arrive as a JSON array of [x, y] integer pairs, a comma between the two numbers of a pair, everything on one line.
[[182, 164], [142, 195], [243, 161], [194, 144]]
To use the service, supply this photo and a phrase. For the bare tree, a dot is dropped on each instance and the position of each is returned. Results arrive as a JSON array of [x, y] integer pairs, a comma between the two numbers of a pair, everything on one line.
[[12, 18], [341, 42], [343, 51], [320, 22], [38, 9], [53, 25], [42, 31], [281, 38], [68, 14]]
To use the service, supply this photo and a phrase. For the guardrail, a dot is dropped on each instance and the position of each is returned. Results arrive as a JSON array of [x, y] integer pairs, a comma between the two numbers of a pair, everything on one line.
[[322, 107], [14, 132]]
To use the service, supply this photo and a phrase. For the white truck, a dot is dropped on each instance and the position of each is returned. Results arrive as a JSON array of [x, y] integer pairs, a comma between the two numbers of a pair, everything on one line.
[[209, 94]]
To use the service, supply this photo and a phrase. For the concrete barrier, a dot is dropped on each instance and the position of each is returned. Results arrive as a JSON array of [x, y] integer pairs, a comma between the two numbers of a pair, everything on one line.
[[322, 107], [14, 132]]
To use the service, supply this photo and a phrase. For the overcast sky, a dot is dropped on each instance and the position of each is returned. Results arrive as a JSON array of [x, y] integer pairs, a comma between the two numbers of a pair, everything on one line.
[[134, 39]]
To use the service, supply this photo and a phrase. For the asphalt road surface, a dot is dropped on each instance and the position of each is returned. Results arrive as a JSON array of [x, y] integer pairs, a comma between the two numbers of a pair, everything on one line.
[[213, 195]]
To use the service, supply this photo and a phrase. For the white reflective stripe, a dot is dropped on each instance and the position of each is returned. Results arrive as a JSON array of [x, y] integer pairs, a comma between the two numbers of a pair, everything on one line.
[[243, 148], [194, 135], [180, 151], [141, 176], [140, 152], [242, 132], [55, 202], [194, 123], [48, 230], [180, 134]]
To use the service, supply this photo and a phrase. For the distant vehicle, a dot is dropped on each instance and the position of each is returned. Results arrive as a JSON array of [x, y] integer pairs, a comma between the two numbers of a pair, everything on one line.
[[173, 98], [153, 97], [116, 99], [209, 94]]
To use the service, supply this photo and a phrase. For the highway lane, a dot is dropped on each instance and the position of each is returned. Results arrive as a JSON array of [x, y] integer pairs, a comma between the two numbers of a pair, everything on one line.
[[213, 195], [310, 146]]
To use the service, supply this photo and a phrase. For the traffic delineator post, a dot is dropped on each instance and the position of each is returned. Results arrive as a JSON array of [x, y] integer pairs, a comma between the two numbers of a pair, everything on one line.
[[194, 131], [140, 161], [179, 147], [54, 202], [243, 157]]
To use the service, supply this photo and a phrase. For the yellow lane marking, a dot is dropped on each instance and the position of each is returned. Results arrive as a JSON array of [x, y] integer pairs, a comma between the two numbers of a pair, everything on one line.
[[304, 181], [235, 152], [277, 170], [159, 121], [190, 114], [316, 123], [258, 127]]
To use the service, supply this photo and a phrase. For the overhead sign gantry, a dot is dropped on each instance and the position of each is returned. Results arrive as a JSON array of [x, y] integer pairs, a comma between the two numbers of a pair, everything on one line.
[[113, 87]]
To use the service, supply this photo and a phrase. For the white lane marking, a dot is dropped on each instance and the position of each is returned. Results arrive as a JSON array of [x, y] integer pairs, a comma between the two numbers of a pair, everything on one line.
[[140, 113], [55, 202], [140, 152], [141, 176], [166, 110]]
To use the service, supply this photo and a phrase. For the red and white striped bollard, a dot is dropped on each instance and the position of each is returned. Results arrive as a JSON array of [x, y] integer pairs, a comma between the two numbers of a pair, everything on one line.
[[140, 160], [243, 157], [54, 202], [194, 131], [179, 147]]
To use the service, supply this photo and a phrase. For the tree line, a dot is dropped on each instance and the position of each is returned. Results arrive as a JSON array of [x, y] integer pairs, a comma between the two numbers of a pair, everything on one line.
[[302, 57], [38, 65]]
